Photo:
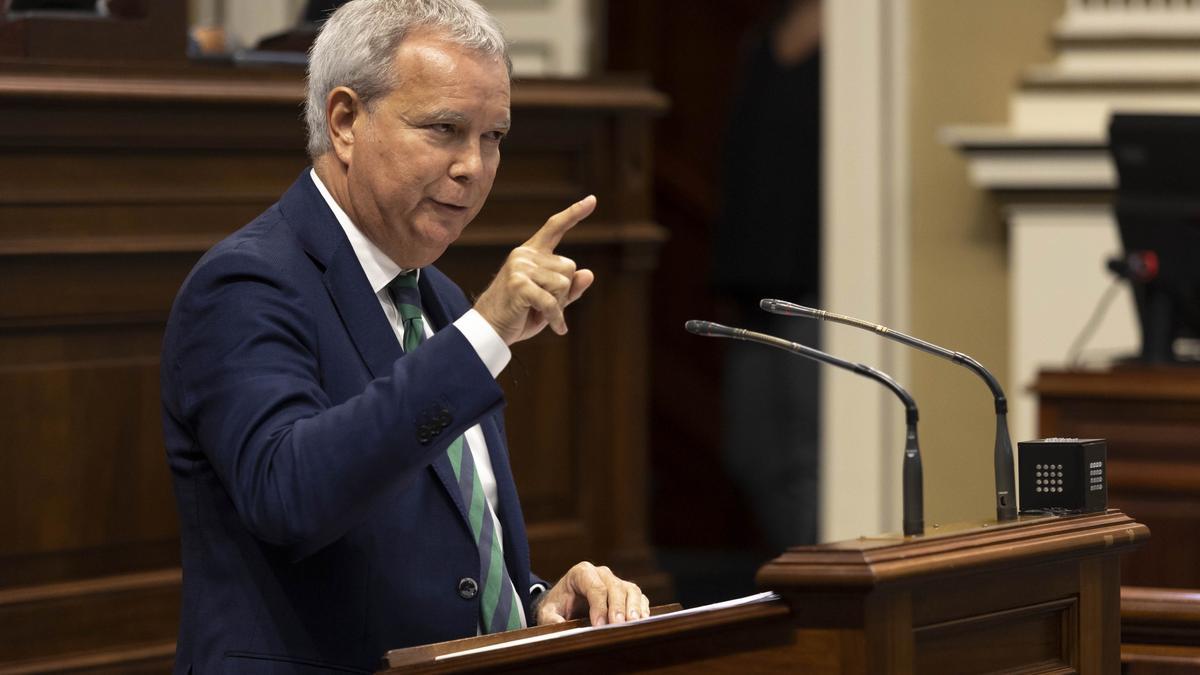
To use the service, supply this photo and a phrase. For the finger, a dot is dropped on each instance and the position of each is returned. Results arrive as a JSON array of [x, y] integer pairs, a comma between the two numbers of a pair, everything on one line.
[[559, 263], [546, 238], [580, 282], [597, 596], [556, 284], [617, 597], [526, 257], [633, 602], [549, 613], [645, 607], [540, 299]]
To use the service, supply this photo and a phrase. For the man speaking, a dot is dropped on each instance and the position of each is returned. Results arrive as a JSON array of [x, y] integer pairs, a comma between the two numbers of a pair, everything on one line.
[[331, 413]]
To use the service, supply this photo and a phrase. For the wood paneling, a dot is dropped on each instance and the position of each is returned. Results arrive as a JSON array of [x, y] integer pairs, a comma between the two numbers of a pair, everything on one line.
[[138, 30], [693, 53], [116, 179], [1160, 630], [1151, 419]]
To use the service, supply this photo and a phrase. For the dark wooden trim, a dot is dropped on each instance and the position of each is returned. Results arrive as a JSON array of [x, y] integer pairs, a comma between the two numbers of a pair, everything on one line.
[[234, 88], [419, 659], [589, 234], [1160, 615], [880, 560], [1142, 382], [114, 584], [160, 656]]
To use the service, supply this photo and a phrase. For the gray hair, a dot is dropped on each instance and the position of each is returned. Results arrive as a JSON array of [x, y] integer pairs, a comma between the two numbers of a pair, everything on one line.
[[357, 44]]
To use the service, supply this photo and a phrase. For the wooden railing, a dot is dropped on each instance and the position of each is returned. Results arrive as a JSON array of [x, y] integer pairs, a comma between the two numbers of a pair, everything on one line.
[[1160, 630]]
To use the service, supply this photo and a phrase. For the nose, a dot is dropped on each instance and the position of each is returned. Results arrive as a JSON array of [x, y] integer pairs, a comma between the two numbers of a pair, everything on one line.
[[467, 165]]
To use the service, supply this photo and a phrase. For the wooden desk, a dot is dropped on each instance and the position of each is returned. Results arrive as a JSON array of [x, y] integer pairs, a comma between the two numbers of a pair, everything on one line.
[[1151, 418], [1035, 596]]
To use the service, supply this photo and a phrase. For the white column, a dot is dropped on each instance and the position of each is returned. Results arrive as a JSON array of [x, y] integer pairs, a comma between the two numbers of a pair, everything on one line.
[[865, 257], [248, 22], [550, 38]]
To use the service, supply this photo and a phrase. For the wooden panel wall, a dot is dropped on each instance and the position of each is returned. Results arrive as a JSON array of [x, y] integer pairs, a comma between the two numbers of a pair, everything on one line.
[[693, 53], [1151, 419], [112, 184]]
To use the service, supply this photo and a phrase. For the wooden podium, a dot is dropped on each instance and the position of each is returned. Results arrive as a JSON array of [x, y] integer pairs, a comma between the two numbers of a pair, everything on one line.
[[1037, 595]]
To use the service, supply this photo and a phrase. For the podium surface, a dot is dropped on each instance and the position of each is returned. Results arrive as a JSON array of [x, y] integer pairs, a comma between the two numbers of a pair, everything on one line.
[[1034, 595]]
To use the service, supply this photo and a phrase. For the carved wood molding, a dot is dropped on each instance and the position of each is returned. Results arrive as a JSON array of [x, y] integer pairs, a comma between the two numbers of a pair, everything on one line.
[[286, 87], [876, 561], [482, 236]]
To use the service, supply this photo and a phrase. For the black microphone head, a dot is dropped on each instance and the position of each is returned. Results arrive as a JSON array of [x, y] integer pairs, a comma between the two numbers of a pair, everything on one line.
[[708, 329], [787, 308]]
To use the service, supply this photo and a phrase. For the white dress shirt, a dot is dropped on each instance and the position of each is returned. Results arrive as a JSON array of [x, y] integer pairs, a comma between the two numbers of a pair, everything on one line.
[[495, 354]]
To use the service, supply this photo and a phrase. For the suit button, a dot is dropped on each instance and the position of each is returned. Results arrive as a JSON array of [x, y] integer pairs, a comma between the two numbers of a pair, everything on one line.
[[467, 588]]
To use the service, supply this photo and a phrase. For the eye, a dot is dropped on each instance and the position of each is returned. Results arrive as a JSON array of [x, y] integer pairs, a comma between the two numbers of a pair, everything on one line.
[[443, 128], [495, 136]]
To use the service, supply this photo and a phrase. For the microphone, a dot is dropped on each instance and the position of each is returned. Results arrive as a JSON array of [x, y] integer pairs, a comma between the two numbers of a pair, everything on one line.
[[1006, 491], [914, 497]]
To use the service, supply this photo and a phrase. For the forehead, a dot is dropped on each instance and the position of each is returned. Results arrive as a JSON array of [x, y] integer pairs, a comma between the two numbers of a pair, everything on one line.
[[433, 71]]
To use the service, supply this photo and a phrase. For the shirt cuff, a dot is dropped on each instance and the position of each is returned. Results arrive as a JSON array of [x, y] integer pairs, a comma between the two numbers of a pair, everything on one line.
[[485, 341]]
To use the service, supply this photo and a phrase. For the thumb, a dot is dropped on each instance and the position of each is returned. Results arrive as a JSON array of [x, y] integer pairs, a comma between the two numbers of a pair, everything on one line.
[[548, 613]]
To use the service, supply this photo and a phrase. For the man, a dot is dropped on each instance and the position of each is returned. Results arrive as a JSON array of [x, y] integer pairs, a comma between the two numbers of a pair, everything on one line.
[[330, 406]]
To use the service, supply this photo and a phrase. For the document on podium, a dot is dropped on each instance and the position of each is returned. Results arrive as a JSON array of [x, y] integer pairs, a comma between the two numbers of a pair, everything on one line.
[[767, 596]]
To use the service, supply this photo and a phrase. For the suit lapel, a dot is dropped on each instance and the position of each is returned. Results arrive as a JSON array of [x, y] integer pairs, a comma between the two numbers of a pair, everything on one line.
[[357, 305], [314, 223], [361, 312]]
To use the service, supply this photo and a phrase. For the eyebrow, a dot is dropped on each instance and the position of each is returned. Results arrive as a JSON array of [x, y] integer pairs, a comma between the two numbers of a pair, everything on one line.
[[453, 116]]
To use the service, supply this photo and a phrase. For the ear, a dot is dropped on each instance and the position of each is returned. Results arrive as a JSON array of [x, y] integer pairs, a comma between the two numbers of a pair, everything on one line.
[[343, 108]]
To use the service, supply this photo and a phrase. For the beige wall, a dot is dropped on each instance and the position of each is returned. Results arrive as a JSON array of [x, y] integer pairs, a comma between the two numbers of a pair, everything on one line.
[[966, 57]]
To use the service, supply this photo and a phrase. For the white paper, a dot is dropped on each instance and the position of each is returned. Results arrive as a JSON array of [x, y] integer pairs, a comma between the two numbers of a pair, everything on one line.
[[737, 602]]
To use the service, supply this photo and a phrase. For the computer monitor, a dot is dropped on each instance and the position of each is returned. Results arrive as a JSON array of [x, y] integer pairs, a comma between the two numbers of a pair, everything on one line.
[[1157, 207]]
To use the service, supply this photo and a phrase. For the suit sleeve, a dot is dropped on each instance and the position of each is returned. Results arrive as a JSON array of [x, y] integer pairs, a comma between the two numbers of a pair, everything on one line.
[[300, 470]]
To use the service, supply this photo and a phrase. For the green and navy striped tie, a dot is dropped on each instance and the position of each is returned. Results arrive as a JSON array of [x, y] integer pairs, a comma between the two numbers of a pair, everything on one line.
[[499, 605]]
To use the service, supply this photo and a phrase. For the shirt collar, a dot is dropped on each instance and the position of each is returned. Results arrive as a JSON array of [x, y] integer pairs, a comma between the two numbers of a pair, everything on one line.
[[379, 268]]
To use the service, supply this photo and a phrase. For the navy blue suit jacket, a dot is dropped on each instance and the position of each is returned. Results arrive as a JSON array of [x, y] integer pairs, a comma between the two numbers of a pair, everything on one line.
[[320, 520]]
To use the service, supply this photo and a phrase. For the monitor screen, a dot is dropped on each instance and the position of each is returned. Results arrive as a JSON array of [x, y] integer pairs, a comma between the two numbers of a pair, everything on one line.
[[1157, 206]]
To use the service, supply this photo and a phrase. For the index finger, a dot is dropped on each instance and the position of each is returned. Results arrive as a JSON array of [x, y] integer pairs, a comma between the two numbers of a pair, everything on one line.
[[550, 234]]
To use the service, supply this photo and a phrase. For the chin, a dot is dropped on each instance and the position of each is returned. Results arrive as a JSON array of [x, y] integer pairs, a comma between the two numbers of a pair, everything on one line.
[[430, 247]]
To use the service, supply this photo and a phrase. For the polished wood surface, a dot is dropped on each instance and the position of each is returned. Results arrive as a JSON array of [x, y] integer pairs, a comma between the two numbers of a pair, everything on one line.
[[117, 178], [139, 30], [415, 655], [1039, 595], [1151, 419], [1160, 630]]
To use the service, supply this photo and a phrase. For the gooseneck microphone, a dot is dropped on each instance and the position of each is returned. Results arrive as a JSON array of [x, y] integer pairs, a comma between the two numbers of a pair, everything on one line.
[[1006, 490], [914, 497]]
